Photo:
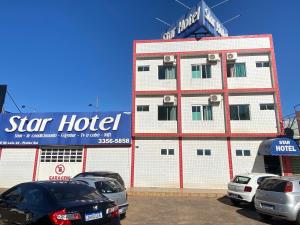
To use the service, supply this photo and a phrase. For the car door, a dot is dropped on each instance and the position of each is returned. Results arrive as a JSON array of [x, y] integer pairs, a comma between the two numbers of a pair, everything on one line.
[[10, 214]]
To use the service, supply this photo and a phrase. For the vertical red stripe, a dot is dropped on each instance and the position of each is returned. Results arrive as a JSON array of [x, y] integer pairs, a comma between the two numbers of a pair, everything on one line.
[[84, 159], [227, 113], [287, 167], [133, 115], [179, 118], [276, 86], [132, 162], [37, 150], [0, 153]]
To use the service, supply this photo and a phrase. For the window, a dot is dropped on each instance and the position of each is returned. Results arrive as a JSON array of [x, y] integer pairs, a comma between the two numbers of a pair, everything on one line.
[[167, 152], [267, 106], [167, 113], [236, 70], [202, 152], [13, 195], [166, 72], [201, 71], [61, 155], [263, 64], [109, 186], [240, 152], [143, 68], [239, 112], [171, 152], [34, 197], [241, 180], [142, 108], [202, 112], [163, 152], [199, 151]]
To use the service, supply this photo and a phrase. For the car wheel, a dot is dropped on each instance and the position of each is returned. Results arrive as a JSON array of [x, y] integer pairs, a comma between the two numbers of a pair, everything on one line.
[[122, 216], [235, 202], [298, 219], [264, 216]]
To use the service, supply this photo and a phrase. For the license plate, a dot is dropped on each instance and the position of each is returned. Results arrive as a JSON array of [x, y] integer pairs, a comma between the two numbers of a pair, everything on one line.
[[267, 206], [233, 196], [93, 216]]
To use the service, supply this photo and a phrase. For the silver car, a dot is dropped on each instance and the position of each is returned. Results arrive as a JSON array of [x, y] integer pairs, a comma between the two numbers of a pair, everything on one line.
[[110, 188], [279, 197]]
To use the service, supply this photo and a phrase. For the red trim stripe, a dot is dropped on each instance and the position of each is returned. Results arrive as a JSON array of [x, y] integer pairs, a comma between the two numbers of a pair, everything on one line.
[[205, 38], [229, 158], [133, 116], [180, 164], [179, 120], [84, 159], [208, 135], [0, 153], [36, 158]]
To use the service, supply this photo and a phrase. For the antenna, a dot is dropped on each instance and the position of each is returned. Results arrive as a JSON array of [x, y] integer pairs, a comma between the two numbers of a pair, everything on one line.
[[162, 21], [233, 18], [184, 5], [220, 3]]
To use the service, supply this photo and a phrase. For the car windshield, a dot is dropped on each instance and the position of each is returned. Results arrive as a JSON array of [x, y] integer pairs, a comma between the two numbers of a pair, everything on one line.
[[241, 180], [67, 191], [109, 186]]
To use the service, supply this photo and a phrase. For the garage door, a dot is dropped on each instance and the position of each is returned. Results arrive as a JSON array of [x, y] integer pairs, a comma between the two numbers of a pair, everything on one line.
[[110, 159], [59, 163], [295, 163], [16, 166]]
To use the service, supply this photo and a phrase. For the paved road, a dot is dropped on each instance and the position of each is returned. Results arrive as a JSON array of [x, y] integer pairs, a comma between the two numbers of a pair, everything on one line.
[[190, 211]]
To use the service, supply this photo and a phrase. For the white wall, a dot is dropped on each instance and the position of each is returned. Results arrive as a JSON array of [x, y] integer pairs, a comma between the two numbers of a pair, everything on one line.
[[153, 169], [148, 80], [255, 77], [205, 171], [203, 45], [244, 164], [261, 121], [217, 125], [16, 166], [110, 159], [148, 121], [189, 83]]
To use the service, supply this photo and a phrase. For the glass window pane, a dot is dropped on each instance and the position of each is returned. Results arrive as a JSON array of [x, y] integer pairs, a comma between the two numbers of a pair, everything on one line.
[[266, 64], [207, 152], [196, 112], [207, 112], [244, 113], [163, 151], [258, 64], [240, 70], [161, 73], [199, 151], [247, 153], [234, 115], [171, 151], [230, 70], [239, 153], [196, 72]]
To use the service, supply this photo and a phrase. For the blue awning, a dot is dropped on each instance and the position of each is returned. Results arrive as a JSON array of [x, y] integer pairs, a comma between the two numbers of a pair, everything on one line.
[[279, 146]]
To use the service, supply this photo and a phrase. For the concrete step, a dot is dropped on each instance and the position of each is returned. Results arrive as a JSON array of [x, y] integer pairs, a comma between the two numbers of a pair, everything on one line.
[[171, 192]]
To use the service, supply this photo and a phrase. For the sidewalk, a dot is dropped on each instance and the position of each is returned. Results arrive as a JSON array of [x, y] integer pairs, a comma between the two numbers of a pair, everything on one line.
[[167, 192]]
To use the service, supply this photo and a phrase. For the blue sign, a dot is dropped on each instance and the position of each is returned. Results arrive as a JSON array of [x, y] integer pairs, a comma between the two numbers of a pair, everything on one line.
[[105, 128], [198, 19], [284, 146]]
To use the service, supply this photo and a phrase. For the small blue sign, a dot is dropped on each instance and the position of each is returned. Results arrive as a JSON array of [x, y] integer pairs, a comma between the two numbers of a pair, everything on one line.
[[284, 146], [199, 19], [89, 128]]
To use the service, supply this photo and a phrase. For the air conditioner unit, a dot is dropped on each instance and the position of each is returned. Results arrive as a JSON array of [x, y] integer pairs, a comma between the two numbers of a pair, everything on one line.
[[214, 98], [213, 57], [169, 99], [231, 56], [169, 59]]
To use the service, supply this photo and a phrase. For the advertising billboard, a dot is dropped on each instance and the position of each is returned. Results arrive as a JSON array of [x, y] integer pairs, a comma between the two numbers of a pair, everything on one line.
[[80, 128], [199, 19]]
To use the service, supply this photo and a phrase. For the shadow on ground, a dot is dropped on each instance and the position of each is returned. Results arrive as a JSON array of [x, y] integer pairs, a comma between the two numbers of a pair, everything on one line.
[[249, 211]]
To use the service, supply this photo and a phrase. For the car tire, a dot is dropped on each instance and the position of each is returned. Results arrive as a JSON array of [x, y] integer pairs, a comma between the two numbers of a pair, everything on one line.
[[264, 216], [235, 202], [122, 216], [298, 219]]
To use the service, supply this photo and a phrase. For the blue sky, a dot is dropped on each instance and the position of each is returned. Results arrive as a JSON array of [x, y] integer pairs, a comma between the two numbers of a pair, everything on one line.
[[58, 55]]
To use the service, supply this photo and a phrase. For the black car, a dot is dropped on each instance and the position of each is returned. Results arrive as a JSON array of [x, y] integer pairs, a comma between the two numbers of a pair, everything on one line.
[[56, 203], [109, 174]]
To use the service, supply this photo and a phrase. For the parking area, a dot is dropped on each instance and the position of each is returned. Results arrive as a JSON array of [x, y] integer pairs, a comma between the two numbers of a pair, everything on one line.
[[190, 211]]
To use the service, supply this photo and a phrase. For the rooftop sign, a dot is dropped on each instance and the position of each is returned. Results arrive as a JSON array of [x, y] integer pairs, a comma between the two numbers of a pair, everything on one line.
[[108, 128], [198, 19]]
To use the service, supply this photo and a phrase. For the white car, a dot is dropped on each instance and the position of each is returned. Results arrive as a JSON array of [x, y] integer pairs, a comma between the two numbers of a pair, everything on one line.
[[242, 188]]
